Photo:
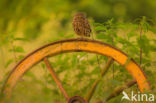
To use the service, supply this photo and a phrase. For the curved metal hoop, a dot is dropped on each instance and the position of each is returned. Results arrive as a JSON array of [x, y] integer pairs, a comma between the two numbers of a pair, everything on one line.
[[75, 45]]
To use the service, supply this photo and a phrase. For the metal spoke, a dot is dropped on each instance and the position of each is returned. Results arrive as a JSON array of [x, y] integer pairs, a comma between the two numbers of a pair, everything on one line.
[[56, 79], [93, 87]]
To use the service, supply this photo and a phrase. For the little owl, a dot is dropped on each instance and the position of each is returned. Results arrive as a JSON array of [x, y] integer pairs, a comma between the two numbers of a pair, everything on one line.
[[81, 25]]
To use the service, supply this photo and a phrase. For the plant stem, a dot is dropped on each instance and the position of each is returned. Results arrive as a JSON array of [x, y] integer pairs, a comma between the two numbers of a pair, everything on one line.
[[118, 90], [13, 48], [140, 47], [103, 72]]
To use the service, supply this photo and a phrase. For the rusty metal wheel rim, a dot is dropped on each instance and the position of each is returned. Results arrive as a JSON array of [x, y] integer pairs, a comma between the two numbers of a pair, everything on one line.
[[75, 45]]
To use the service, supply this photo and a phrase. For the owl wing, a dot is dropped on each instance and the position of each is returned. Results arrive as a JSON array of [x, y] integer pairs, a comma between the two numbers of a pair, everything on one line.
[[87, 28], [87, 25]]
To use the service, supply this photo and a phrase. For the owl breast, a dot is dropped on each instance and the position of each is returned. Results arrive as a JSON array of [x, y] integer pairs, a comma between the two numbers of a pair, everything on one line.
[[81, 26]]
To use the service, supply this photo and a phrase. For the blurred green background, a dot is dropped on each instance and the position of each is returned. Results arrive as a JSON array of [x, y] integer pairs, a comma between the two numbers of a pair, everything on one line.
[[32, 16], [25, 25]]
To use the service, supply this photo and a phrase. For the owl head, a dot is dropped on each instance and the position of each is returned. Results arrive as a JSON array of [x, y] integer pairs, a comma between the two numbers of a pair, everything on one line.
[[80, 14]]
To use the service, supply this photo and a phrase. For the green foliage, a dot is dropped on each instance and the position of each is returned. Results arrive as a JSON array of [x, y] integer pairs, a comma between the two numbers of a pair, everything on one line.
[[17, 49], [78, 71], [8, 63], [130, 42], [26, 25]]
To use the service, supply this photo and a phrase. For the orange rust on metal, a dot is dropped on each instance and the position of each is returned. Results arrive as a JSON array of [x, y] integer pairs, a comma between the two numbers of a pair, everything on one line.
[[56, 79], [73, 45], [138, 74]]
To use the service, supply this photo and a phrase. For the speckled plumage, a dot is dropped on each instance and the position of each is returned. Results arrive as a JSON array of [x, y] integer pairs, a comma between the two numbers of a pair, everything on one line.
[[81, 25]]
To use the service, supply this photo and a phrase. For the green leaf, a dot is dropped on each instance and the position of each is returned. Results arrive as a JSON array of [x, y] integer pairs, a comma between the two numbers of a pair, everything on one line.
[[98, 24], [152, 29], [123, 41], [143, 43], [30, 74], [20, 57], [153, 48], [20, 39], [96, 70], [145, 60], [148, 64], [61, 34], [74, 61], [8, 63], [17, 49], [46, 90], [100, 28], [103, 36], [131, 34], [121, 26], [43, 65], [115, 82]]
